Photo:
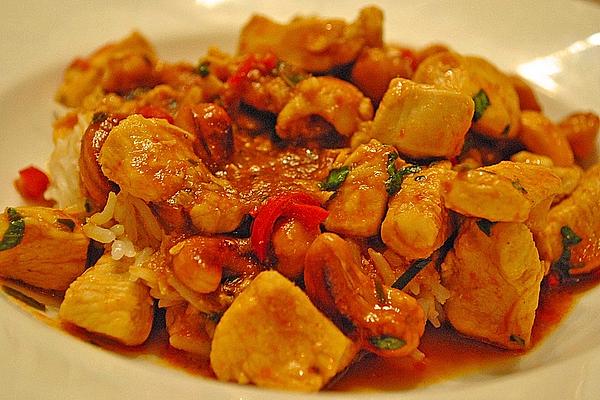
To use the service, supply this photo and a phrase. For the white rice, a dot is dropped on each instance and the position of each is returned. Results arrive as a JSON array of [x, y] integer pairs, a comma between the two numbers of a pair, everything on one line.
[[426, 287], [63, 169]]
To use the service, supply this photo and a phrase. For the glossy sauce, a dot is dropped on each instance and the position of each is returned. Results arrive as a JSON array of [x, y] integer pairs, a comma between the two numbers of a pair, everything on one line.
[[448, 355]]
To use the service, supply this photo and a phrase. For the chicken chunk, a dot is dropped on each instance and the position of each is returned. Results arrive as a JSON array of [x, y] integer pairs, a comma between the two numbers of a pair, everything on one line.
[[313, 44], [118, 67], [506, 191], [497, 103], [494, 275], [579, 214], [422, 121], [29, 250], [358, 206], [569, 176], [154, 161], [417, 223], [337, 102], [105, 300], [273, 336], [149, 158]]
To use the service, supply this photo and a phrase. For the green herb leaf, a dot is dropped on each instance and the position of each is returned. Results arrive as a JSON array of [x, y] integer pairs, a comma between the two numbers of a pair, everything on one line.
[[203, 69], [517, 339], [394, 182], [23, 298], [15, 231], [569, 238], [482, 102], [385, 342], [68, 222], [411, 272], [562, 266], [291, 75], [517, 185], [334, 180], [485, 226]]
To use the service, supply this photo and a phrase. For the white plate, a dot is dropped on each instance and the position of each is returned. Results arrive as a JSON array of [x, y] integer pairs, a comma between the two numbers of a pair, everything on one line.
[[555, 44]]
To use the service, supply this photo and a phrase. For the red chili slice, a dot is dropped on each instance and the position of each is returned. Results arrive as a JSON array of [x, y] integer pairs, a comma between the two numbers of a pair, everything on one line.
[[264, 64], [299, 205], [32, 183]]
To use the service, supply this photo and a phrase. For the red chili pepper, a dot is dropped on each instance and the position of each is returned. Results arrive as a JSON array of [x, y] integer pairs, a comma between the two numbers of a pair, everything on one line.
[[410, 57], [553, 280], [264, 64], [32, 183], [299, 205], [152, 111]]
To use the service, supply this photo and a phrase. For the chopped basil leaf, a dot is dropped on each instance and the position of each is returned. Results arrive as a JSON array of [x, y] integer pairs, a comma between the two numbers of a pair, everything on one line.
[[15, 231], [563, 265], [517, 185], [481, 103], [99, 117], [68, 222], [485, 226], [88, 206], [394, 182], [385, 342], [379, 291], [411, 272], [569, 238], [203, 69], [334, 180], [23, 298], [289, 73], [517, 339]]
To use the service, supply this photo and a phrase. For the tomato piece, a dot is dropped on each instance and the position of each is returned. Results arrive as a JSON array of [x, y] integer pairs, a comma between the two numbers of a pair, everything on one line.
[[299, 205], [32, 183], [152, 111]]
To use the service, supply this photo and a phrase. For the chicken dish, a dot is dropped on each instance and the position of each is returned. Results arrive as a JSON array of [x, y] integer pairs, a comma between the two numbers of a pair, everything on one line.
[[318, 195]]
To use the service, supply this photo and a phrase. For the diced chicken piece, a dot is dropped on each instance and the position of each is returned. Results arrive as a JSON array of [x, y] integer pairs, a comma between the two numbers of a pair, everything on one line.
[[569, 176], [581, 130], [539, 135], [337, 102], [506, 191], [581, 215], [118, 67], [417, 223], [313, 44], [273, 336], [43, 247], [358, 206], [189, 329], [105, 300], [494, 275], [422, 121], [154, 161], [497, 103], [149, 158]]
